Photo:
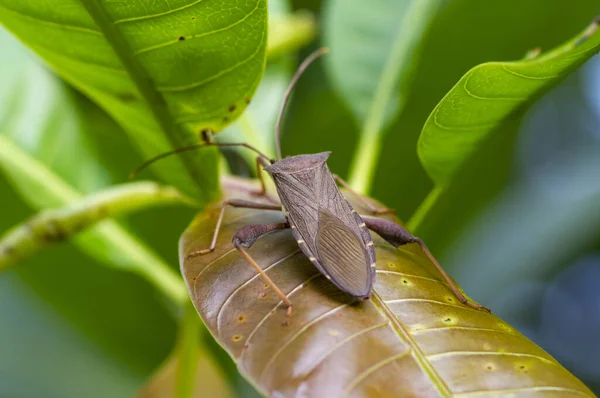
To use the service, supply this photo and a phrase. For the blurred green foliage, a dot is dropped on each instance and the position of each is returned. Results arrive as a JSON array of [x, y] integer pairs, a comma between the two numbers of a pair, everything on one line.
[[79, 328]]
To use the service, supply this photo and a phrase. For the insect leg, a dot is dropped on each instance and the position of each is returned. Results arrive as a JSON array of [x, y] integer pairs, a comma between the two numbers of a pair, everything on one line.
[[263, 188], [245, 238], [398, 236], [361, 199], [234, 203]]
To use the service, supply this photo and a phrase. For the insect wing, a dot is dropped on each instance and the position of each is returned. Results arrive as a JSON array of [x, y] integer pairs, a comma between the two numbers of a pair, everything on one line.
[[343, 256]]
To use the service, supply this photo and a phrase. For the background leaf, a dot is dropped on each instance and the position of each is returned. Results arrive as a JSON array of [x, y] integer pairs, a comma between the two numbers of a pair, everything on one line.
[[545, 216], [362, 37], [208, 382], [412, 338], [164, 73], [466, 34], [489, 94]]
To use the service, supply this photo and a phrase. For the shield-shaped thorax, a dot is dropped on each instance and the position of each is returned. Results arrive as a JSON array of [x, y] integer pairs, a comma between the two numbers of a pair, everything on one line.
[[328, 230]]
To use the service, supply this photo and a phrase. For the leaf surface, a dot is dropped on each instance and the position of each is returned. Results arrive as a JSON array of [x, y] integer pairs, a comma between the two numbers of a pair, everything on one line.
[[412, 339], [488, 95], [465, 34], [163, 70]]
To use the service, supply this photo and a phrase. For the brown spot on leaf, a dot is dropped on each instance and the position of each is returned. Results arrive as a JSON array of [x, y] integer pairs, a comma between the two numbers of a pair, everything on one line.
[[232, 108], [181, 38], [205, 135]]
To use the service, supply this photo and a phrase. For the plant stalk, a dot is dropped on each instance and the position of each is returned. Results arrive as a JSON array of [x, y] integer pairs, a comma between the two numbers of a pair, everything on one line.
[[188, 352], [396, 73], [107, 241]]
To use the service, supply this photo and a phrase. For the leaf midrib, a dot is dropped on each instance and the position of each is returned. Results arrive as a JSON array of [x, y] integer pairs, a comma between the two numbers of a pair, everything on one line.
[[142, 80], [418, 354]]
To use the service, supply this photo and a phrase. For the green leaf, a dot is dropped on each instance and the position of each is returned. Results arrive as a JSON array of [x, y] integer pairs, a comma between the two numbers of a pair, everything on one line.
[[374, 50], [487, 96], [465, 34], [412, 339], [44, 116], [526, 222], [57, 225], [287, 32], [107, 241], [164, 71]]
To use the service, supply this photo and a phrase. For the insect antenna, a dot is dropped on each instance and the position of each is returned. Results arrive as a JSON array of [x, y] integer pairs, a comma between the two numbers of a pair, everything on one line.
[[148, 162], [288, 92]]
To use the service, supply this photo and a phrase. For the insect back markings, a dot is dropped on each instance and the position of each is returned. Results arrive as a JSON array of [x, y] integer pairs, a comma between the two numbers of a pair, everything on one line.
[[313, 201]]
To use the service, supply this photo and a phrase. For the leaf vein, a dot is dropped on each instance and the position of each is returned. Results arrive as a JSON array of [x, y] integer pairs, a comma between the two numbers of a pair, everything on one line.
[[467, 328], [67, 57], [208, 265], [473, 128], [298, 333], [264, 319], [41, 21], [159, 14], [343, 342], [486, 353], [473, 95], [381, 271], [212, 32], [419, 356], [512, 72], [211, 78], [374, 368], [422, 300], [287, 257], [524, 389]]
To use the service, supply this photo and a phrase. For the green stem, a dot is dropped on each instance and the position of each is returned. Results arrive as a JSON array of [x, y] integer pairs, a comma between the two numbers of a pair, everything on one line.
[[396, 73], [188, 352], [52, 226], [107, 241], [418, 216]]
